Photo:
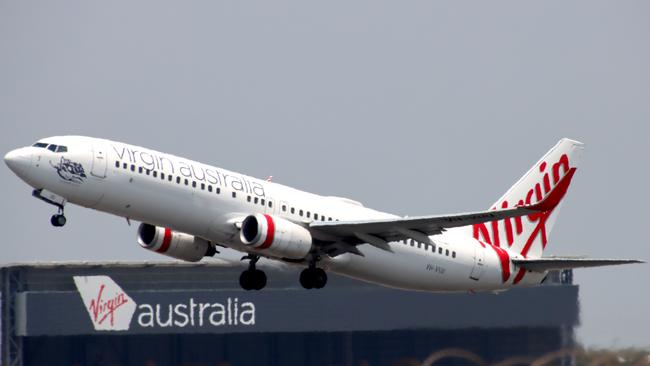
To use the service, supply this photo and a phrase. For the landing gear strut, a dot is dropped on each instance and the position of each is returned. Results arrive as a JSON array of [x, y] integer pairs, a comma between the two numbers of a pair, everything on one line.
[[252, 278], [313, 277]]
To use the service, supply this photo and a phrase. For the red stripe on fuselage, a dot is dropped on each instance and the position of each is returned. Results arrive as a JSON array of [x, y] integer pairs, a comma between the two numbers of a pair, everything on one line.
[[167, 239], [519, 276], [270, 232], [504, 258]]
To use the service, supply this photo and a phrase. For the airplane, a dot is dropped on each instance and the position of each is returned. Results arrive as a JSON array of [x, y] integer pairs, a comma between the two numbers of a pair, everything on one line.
[[189, 210]]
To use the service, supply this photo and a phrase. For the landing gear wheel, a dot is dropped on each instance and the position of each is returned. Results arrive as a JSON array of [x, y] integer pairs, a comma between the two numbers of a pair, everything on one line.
[[320, 278], [259, 279], [58, 220], [245, 280], [313, 278], [252, 278], [305, 279]]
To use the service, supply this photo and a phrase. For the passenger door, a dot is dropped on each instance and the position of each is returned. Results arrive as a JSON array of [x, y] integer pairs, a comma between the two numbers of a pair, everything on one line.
[[99, 163], [477, 270]]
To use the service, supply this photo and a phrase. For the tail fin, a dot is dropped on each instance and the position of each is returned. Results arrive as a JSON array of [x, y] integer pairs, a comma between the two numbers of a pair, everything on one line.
[[528, 235]]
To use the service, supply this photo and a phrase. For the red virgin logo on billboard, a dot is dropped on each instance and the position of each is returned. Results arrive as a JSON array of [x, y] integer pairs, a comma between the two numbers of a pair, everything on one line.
[[109, 307], [103, 309]]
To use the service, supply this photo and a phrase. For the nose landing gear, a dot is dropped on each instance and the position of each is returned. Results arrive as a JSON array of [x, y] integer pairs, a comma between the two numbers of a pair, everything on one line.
[[252, 278], [57, 219]]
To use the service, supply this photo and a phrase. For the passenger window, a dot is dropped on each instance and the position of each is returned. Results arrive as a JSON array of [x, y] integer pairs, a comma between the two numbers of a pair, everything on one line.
[[147, 171], [284, 208], [300, 213], [308, 214], [124, 165], [117, 164], [262, 202], [218, 190], [178, 180], [433, 249], [155, 174], [447, 252], [315, 216], [293, 210], [140, 170], [162, 176], [52, 148], [187, 182], [202, 186], [234, 194], [329, 219], [132, 167], [169, 178], [256, 200], [193, 184], [439, 250], [453, 254], [209, 188], [248, 198], [61, 149]]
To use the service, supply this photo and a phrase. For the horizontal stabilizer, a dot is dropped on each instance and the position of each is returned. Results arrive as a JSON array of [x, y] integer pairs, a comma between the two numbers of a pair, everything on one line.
[[551, 263]]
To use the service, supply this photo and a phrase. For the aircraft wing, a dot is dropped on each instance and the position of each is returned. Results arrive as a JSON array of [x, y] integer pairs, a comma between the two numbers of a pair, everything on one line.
[[356, 232], [551, 263], [347, 234]]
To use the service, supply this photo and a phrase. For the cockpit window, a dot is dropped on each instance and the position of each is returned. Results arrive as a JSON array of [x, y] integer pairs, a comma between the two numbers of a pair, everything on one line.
[[52, 147]]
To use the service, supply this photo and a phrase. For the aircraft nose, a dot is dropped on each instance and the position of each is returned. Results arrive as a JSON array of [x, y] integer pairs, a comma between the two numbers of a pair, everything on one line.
[[19, 161]]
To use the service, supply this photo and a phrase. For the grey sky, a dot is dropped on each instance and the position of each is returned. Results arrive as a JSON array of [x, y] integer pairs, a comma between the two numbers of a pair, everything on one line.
[[414, 107]]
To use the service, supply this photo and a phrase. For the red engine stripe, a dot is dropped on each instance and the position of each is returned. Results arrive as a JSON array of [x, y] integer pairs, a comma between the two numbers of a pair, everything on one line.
[[166, 241], [270, 232]]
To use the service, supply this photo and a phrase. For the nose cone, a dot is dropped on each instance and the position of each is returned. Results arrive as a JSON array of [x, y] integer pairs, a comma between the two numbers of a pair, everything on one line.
[[19, 161]]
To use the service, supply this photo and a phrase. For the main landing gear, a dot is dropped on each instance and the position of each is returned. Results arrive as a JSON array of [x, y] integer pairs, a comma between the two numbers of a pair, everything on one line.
[[252, 278], [313, 277], [57, 219]]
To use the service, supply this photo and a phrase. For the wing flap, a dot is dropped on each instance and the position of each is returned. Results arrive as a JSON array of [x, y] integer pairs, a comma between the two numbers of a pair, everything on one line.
[[555, 263]]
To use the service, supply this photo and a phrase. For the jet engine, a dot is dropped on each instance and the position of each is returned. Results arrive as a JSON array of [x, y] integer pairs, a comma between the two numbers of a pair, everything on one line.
[[172, 243], [276, 236]]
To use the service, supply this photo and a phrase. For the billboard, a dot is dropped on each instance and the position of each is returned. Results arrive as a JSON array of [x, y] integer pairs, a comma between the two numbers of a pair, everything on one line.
[[101, 306]]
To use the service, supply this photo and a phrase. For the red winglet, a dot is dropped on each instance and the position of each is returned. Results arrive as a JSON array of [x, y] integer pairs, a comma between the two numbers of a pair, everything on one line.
[[555, 196]]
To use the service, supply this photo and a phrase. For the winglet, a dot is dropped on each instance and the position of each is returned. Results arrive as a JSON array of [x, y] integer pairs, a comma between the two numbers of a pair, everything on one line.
[[555, 196]]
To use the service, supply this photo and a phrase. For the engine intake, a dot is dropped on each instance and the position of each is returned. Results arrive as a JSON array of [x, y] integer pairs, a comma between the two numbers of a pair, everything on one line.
[[172, 243], [276, 236]]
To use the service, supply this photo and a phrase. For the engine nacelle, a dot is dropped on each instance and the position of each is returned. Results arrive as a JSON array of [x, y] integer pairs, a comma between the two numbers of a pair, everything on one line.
[[276, 236], [172, 243]]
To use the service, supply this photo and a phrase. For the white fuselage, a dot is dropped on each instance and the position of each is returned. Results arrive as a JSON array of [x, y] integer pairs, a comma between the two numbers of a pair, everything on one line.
[[205, 201]]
